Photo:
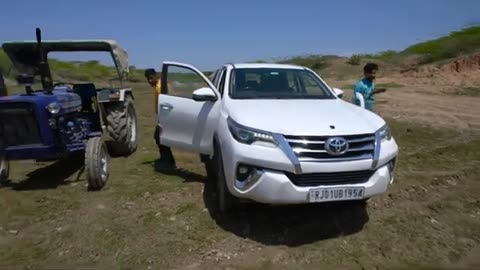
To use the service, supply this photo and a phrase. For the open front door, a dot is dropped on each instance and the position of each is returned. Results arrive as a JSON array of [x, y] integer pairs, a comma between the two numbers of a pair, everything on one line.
[[188, 108]]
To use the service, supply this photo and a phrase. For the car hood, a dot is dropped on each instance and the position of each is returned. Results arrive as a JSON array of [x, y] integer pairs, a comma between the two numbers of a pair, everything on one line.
[[304, 117]]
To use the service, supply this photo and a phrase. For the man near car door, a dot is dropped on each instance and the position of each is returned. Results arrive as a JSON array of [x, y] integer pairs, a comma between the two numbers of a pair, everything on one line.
[[366, 87], [166, 161]]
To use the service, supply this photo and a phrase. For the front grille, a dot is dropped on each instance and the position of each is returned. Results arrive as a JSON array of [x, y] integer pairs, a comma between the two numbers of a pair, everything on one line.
[[18, 124], [333, 178], [312, 148]]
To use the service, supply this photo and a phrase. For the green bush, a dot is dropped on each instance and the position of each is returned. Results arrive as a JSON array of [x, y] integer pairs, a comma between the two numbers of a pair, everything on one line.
[[354, 60], [315, 62]]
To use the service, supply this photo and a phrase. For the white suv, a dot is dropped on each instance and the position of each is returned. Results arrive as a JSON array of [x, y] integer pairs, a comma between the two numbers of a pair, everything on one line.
[[275, 134]]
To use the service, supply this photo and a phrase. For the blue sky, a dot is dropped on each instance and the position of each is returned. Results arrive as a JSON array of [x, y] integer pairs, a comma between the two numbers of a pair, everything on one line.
[[209, 33]]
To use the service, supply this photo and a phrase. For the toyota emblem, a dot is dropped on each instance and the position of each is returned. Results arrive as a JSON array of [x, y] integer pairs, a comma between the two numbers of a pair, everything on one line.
[[336, 146]]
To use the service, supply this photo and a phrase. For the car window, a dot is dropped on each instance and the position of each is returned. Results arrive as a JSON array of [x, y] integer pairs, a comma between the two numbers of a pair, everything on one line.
[[277, 83], [221, 85], [182, 81], [214, 78]]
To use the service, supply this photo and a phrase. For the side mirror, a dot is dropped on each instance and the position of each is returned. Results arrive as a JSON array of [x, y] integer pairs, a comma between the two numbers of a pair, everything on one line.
[[204, 94], [338, 92]]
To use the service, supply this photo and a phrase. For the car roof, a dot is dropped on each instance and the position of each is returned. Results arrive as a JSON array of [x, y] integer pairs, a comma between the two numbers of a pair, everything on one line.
[[265, 65]]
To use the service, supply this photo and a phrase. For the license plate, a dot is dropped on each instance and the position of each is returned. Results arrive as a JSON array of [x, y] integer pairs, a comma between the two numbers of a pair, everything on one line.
[[336, 194]]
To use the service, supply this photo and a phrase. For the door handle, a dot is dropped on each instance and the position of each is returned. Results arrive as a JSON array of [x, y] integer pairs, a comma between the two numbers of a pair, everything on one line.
[[166, 106]]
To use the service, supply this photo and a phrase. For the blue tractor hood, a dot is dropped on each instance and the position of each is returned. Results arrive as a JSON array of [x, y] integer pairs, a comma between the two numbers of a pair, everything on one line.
[[68, 101]]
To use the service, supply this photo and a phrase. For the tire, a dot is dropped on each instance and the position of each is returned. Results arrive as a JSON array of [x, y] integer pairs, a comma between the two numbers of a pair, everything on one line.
[[209, 167], [4, 171], [226, 202], [122, 127], [96, 163]]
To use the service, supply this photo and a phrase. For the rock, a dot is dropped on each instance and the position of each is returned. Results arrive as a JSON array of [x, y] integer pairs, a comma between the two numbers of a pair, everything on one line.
[[101, 206], [146, 194], [172, 218], [14, 232], [128, 205], [452, 182], [158, 214], [59, 229]]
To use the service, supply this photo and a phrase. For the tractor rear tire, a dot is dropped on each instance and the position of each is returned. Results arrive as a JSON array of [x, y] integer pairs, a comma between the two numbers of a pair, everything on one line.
[[122, 127], [4, 171], [96, 163]]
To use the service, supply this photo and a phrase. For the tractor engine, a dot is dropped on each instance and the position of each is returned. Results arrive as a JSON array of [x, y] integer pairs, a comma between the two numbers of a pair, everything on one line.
[[73, 132], [72, 125], [55, 121]]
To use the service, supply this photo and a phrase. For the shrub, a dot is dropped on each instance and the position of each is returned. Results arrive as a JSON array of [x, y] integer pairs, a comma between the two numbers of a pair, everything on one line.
[[354, 60]]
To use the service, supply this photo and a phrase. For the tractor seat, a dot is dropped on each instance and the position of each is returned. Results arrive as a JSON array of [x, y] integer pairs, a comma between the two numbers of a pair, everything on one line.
[[86, 91]]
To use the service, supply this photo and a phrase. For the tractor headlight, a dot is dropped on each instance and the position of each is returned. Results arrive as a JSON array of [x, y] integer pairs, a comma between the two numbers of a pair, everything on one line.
[[249, 135], [384, 133], [54, 108]]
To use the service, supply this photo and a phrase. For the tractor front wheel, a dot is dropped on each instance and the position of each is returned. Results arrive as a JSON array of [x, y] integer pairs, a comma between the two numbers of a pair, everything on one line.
[[96, 163], [4, 170], [122, 127]]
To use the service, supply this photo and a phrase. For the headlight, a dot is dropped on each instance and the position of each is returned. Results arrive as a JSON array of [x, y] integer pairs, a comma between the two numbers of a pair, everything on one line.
[[384, 133], [248, 135], [54, 108]]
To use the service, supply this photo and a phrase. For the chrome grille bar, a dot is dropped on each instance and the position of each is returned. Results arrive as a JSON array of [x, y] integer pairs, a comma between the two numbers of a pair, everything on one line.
[[312, 148]]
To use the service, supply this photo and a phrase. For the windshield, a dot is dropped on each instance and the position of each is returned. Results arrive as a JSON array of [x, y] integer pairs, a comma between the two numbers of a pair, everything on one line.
[[277, 83]]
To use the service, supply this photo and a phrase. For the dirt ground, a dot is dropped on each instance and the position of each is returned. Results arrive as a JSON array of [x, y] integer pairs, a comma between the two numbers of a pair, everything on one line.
[[430, 217]]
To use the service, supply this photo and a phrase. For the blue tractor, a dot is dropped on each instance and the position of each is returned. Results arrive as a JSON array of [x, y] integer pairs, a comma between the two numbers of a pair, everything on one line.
[[65, 119]]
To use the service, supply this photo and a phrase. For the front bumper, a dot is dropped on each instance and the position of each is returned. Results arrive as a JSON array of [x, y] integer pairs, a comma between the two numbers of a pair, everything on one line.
[[275, 187], [271, 185]]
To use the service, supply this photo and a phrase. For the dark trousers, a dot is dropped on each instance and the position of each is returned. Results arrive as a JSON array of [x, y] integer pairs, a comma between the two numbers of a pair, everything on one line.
[[165, 151]]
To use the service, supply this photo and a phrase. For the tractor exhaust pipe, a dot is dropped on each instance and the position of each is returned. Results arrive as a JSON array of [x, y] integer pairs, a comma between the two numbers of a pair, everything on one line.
[[43, 65]]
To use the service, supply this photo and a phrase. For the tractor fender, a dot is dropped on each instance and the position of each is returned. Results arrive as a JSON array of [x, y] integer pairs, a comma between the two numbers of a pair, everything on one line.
[[113, 95], [106, 96]]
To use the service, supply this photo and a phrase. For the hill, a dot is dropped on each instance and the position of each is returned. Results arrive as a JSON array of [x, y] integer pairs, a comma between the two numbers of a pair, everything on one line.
[[436, 51]]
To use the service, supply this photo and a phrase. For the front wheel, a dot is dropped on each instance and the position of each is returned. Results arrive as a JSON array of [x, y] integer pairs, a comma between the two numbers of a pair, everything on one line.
[[96, 163], [4, 171]]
